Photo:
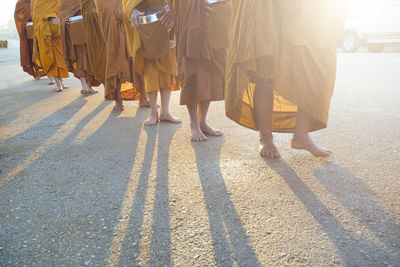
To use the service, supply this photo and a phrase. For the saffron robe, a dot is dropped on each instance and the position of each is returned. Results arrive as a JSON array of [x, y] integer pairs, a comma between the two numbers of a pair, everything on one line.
[[48, 36], [201, 66], [22, 15], [95, 44], [119, 62], [157, 73], [279, 41], [75, 54]]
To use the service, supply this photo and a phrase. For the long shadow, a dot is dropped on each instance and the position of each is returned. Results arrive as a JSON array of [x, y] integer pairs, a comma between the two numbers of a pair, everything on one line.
[[130, 250], [231, 244], [353, 249], [357, 197], [160, 251], [41, 132], [160, 247], [17, 100]]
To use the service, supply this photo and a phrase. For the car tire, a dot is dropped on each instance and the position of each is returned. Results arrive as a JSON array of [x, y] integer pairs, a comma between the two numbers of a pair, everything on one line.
[[350, 42], [376, 48]]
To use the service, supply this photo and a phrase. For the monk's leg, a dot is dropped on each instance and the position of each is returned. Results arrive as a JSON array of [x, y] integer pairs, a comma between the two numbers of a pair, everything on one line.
[[85, 89], [301, 138], [197, 134], [202, 113], [37, 70], [52, 80], [89, 81], [153, 119], [139, 85], [263, 106], [165, 115], [118, 100], [63, 84], [58, 83], [91, 90]]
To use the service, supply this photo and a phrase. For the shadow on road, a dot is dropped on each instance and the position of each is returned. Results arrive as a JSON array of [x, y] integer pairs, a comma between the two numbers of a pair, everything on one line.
[[158, 137], [358, 199], [47, 128], [352, 248], [231, 244]]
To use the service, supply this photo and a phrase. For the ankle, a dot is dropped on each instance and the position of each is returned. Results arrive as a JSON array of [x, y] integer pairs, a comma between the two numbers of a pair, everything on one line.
[[266, 136]]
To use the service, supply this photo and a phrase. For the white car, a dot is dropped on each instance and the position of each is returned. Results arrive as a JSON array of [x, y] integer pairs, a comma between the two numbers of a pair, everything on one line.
[[380, 30]]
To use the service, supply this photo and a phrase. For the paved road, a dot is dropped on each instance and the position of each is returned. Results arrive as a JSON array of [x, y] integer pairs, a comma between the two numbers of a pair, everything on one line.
[[82, 185]]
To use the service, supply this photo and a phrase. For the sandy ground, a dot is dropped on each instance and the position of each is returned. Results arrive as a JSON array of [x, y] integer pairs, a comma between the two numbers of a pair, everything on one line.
[[82, 185]]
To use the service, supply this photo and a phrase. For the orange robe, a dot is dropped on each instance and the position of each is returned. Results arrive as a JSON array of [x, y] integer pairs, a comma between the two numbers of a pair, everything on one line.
[[290, 43], [157, 73], [119, 62], [23, 15], [48, 35], [75, 54], [35, 52], [201, 66], [95, 44]]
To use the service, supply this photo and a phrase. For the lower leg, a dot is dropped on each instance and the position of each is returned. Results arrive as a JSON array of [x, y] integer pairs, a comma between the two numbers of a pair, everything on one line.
[[85, 89], [197, 134], [139, 85], [58, 83], [202, 115], [89, 86], [118, 100], [37, 71], [263, 107], [52, 80], [153, 119], [165, 115], [301, 138]]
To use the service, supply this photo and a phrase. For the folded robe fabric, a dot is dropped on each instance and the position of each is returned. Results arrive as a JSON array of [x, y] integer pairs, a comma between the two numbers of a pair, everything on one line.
[[279, 41], [119, 62], [95, 43], [22, 15], [201, 66], [157, 73], [75, 52], [48, 36]]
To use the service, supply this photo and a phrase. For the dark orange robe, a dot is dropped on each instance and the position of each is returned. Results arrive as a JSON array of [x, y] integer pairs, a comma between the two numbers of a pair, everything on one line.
[[292, 44], [23, 15], [95, 44], [201, 67], [74, 49], [119, 61]]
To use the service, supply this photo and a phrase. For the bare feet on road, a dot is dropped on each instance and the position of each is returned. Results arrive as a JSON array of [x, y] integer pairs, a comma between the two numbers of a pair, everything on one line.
[[207, 129], [267, 148], [305, 142], [197, 134]]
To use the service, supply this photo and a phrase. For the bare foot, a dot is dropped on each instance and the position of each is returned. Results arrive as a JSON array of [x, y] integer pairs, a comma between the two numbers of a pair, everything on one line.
[[197, 134], [51, 83], [118, 106], [152, 120], [169, 118], [64, 85], [207, 129], [144, 103], [267, 148], [59, 90], [92, 91], [84, 92], [305, 142]]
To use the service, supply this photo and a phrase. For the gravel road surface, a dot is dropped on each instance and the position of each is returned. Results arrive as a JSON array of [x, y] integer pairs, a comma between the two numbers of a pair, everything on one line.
[[81, 185]]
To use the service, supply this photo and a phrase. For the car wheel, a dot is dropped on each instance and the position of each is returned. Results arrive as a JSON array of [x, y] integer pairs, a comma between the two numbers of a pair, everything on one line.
[[376, 48], [350, 42]]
